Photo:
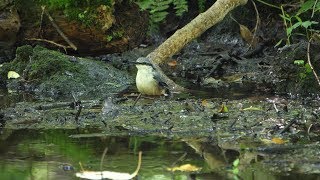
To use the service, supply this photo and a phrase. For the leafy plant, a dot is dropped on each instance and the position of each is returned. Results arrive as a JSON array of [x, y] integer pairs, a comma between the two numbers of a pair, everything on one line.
[[235, 169], [305, 69], [201, 5], [84, 11], [180, 6], [114, 35], [295, 21], [158, 9]]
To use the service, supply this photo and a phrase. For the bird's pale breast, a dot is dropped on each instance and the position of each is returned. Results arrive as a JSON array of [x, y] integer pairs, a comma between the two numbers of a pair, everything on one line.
[[146, 84]]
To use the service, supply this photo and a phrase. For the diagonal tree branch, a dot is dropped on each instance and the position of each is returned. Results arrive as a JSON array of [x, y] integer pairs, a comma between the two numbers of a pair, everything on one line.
[[189, 32]]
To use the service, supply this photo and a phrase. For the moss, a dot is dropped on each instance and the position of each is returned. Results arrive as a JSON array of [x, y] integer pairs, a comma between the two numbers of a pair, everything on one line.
[[18, 65], [85, 12], [24, 52], [39, 64], [51, 73], [54, 63]]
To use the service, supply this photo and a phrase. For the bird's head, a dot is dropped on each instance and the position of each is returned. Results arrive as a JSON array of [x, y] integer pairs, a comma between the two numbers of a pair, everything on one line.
[[143, 63]]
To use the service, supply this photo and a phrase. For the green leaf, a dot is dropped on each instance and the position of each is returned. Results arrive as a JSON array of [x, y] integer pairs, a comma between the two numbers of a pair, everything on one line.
[[298, 18], [159, 16], [235, 171], [308, 68], [278, 43], [298, 62], [144, 5], [289, 31], [302, 75], [285, 17], [306, 6], [297, 24], [180, 6], [317, 7], [307, 24], [236, 162], [159, 9]]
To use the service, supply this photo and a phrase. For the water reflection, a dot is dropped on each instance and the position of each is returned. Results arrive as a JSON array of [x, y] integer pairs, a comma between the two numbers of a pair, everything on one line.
[[53, 154]]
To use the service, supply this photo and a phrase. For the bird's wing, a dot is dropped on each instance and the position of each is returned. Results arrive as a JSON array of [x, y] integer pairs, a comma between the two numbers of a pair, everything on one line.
[[162, 84]]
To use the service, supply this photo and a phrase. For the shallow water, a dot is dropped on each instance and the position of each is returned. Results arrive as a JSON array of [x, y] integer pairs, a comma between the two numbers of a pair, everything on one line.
[[55, 154]]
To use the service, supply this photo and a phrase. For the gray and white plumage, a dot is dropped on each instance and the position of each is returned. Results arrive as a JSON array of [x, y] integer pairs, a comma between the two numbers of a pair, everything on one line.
[[148, 80]]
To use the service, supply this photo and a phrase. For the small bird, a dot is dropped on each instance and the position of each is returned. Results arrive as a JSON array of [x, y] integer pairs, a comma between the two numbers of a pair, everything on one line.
[[148, 80]]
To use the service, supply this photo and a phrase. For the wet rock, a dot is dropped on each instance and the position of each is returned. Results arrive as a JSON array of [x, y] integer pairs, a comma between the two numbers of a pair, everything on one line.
[[50, 74]]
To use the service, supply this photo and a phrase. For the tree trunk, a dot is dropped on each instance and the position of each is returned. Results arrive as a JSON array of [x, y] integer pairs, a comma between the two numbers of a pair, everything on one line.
[[190, 31]]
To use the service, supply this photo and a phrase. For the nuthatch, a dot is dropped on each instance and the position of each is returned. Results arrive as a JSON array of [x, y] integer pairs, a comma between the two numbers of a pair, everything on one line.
[[148, 80]]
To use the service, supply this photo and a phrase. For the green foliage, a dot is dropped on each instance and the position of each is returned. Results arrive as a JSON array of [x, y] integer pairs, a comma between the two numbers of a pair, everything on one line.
[[201, 5], [55, 63], [180, 6], [158, 9], [308, 5], [114, 35], [298, 62], [305, 70], [235, 169], [65, 4], [299, 21], [80, 10]]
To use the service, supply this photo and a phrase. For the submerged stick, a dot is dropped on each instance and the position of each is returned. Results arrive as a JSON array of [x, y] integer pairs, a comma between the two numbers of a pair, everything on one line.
[[102, 157], [110, 174]]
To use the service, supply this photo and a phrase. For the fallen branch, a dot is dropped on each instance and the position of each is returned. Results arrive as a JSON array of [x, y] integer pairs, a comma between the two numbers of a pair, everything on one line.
[[51, 42], [109, 174], [59, 30], [189, 32]]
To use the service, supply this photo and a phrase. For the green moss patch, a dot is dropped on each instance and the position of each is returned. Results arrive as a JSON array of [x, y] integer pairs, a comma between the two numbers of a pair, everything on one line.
[[50, 73]]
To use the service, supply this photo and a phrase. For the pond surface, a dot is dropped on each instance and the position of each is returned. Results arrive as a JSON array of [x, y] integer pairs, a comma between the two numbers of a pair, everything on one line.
[[209, 144], [55, 154]]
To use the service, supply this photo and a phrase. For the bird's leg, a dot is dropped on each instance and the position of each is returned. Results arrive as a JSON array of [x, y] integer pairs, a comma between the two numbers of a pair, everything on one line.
[[135, 101]]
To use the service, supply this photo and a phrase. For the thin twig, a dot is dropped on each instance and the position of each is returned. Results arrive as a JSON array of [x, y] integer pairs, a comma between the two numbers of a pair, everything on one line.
[[41, 19], [287, 127], [309, 129], [309, 62], [102, 157], [59, 31], [268, 4], [257, 22], [51, 42], [180, 159], [314, 8], [81, 167], [135, 101], [285, 22]]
